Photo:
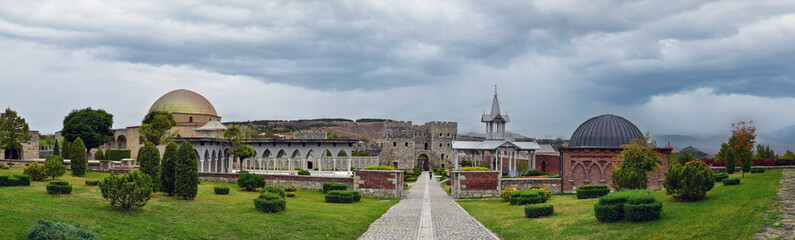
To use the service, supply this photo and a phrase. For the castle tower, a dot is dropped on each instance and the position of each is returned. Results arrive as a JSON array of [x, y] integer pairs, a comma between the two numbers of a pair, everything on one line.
[[495, 121]]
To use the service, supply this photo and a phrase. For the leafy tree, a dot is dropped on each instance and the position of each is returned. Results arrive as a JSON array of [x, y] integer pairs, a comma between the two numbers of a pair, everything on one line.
[[788, 155], [56, 149], [235, 136], [682, 158], [169, 168], [130, 190], [634, 164], [79, 161], [187, 172], [724, 155], [332, 135], [154, 128], [67, 146], [92, 126], [689, 183], [54, 166], [744, 135], [149, 161], [764, 152], [100, 155], [13, 130]]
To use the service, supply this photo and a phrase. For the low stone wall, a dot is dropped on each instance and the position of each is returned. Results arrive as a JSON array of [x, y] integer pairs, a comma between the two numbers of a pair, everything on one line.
[[379, 183], [475, 184], [300, 181], [553, 184]]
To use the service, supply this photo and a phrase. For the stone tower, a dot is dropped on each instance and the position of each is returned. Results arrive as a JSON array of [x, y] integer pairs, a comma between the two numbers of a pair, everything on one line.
[[427, 146]]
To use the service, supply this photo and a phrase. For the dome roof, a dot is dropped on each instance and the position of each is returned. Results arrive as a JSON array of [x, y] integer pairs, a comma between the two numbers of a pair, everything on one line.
[[605, 131], [183, 101]]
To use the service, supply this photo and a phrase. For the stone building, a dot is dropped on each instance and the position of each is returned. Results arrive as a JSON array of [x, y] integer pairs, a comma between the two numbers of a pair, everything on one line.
[[427, 146], [589, 158], [30, 149]]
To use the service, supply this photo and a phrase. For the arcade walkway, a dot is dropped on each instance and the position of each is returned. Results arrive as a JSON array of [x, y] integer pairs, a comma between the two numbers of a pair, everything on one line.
[[427, 213]]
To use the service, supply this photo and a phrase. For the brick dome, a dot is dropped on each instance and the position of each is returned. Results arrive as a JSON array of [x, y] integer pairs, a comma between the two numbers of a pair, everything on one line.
[[608, 131]]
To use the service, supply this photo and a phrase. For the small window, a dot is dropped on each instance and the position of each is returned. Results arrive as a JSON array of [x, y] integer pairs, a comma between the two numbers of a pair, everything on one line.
[[190, 119], [442, 156], [407, 144], [440, 145], [440, 134], [394, 144]]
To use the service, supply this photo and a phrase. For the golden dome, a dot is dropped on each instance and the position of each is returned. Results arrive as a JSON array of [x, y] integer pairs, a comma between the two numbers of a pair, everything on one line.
[[183, 101]]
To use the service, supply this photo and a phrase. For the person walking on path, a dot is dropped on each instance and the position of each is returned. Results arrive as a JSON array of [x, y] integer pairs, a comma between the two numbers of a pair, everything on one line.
[[430, 175]]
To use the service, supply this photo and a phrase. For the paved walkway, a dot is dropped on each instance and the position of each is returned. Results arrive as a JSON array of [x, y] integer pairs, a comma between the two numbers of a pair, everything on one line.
[[784, 228], [427, 213]]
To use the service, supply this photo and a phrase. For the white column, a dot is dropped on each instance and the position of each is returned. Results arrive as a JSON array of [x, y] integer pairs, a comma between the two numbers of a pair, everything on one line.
[[349, 164], [334, 162], [456, 160]]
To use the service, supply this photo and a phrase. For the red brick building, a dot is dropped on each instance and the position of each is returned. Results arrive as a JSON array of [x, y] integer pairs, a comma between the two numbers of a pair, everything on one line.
[[589, 157]]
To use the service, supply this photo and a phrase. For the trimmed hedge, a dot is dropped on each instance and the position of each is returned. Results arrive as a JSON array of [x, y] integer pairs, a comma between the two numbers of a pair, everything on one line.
[[340, 196], [270, 203], [720, 176], [592, 191], [291, 194], [731, 181], [92, 182], [275, 190], [117, 154], [59, 187], [757, 170], [15, 180], [474, 169], [221, 190], [528, 197], [538, 210], [380, 167], [290, 188], [535, 173], [633, 205], [303, 173], [46, 230], [329, 186]]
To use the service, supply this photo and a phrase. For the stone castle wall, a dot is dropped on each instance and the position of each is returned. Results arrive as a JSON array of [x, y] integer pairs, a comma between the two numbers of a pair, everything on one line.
[[30, 149], [403, 144]]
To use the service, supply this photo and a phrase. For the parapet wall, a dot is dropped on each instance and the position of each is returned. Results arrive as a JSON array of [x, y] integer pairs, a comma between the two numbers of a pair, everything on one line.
[[475, 184], [553, 184], [379, 183]]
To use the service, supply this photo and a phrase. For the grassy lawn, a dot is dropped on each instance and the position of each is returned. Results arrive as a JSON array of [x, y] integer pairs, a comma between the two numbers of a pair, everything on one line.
[[728, 212], [209, 216]]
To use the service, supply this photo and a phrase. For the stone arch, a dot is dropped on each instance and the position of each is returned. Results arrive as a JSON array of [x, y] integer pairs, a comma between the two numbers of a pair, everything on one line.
[[121, 142], [266, 153], [281, 154], [296, 154], [423, 162], [578, 174], [212, 162], [205, 159], [594, 174]]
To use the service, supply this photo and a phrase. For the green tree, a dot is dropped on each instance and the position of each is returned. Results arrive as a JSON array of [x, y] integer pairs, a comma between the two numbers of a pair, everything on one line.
[[155, 127], [67, 146], [169, 168], [13, 130], [187, 172], [235, 136], [681, 158], [332, 135], [149, 162], [92, 126], [56, 149], [764, 152], [54, 166], [130, 190], [633, 166], [744, 136], [100, 155], [689, 183], [788, 155], [79, 161], [724, 155]]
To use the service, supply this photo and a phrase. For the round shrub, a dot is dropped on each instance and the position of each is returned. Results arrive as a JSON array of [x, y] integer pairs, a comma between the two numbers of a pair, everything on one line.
[[474, 169], [221, 190], [380, 167], [304, 173], [59, 187], [270, 203], [608, 213], [547, 193], [290, 188], [592, 191], [291, 194], [720, 176], [731, 181], [250, 181], [129, 190], [642, 212], [92, 182], [505, 194], [275, 190], [757, 170], [641, 205], [689, 183], [538, 210], [528, 197], [37, 172], [46, 230]]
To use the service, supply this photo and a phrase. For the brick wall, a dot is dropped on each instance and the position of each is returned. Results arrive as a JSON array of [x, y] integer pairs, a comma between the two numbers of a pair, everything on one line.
[[581, 166], [553, 184], [473, 184], [379, 183]]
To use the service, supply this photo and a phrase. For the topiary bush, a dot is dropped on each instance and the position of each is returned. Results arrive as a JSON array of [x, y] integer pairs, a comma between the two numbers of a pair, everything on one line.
[[117, 154], [757, 170], [37, 172], [290, 188], [99, 155], [633, 205], [505, 194], [250, 181], [592, 191], [720, 176], [303, 173], [221, 190], [329, 186], [270, 203], [187, 172], [528, 197], [15, 180], [380, 167], [538, 210], [92, 182], [59, 187], [169, 168], [731, 181], [149, 163], [689, 183], [343, 196], [78, 158], [275, 190], [47, 230], [474, 169], [129, 190], [291, 194]]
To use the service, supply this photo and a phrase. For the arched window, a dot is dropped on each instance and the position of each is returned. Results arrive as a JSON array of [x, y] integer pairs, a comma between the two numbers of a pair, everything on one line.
[[442, 156], [190, 119], [407, 144], [394, 144], [426, 146], [440, 145]]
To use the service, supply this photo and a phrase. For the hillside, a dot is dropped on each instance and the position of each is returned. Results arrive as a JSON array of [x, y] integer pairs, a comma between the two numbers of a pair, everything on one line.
[[361, 128]]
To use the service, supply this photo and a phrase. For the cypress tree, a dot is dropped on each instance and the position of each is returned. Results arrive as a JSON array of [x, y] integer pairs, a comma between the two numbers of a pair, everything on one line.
[[66, 148], [56, 150], [149, 162], [187, 172], [79, 158], [169, 169], [99, 155]]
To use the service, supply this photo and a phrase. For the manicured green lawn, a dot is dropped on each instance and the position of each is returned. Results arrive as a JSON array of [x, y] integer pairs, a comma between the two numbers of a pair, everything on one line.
[[209, 216], [728, 212]]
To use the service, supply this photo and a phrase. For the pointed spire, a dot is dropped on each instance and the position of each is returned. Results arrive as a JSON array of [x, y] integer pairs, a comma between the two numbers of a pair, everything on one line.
[[495, 105]]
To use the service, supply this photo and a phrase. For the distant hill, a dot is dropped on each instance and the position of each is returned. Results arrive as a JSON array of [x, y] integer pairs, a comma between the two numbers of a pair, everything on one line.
[[371, 129], [697, 153]]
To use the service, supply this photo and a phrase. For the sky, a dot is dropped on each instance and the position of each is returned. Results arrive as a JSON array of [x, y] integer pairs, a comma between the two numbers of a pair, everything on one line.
[[671, 67]]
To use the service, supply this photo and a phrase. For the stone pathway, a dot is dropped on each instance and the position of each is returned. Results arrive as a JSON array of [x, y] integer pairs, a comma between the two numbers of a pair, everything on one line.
[[785, 204], [427, 213]]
